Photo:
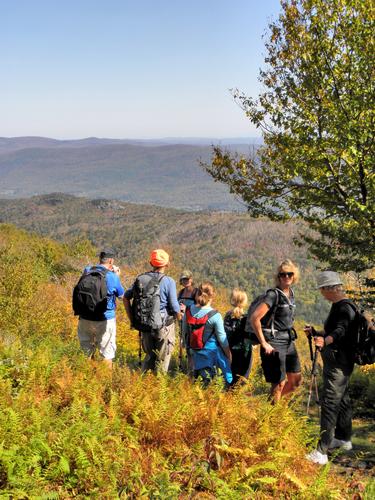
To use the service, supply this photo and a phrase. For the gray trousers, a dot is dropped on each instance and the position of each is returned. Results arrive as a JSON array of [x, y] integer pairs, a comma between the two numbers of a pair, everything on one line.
[[158, 349], [336, 408]]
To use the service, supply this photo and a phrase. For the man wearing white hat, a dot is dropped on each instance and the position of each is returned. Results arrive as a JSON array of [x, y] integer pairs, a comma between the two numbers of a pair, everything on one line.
[[336, 350]]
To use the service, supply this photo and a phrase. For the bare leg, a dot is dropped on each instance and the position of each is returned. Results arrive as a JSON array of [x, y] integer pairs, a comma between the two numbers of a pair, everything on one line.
[[294, 380], [108, 363], [277, 391]]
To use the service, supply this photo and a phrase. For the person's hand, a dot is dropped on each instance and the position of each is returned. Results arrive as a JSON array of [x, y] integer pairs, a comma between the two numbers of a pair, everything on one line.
[[116, 269], [182, 308], [268, 348], [319, 342], [308, 329]]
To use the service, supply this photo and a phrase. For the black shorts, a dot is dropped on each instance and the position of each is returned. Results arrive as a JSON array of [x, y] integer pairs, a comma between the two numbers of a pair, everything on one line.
[[282, 361]]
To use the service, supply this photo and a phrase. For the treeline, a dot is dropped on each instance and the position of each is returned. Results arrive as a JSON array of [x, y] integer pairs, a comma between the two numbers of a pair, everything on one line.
[[228, 248]]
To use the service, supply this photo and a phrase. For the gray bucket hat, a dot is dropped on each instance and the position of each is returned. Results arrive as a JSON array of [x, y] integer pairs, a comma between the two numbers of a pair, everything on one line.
[[328, 278]]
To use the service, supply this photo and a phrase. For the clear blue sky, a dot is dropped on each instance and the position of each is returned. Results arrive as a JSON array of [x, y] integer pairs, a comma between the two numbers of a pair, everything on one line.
[[129, 69]]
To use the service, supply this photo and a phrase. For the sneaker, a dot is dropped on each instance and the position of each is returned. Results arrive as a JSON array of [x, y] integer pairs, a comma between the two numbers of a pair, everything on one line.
[[339, 443], [317, 457]]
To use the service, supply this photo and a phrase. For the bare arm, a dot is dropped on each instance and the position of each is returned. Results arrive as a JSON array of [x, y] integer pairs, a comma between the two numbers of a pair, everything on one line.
[[228, 353], [256, 317]]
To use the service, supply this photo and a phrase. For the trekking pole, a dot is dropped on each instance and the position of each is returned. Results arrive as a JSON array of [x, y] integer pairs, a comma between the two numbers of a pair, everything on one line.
[[180, 353], [140, 349], [314, 373]]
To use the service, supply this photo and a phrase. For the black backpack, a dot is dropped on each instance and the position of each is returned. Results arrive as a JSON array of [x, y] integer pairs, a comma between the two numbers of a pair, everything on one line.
[[90, 294], [267, 321], [362, 337], [235, 329], [146, 303]]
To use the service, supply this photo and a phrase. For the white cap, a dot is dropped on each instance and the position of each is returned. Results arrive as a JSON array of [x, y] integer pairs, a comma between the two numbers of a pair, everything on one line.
[[328, 278]]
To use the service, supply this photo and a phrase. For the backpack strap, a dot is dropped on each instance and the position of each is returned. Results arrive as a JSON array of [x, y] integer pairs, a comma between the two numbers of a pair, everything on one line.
[[103, 272], [271, 320], [192, 296], [155, 280]]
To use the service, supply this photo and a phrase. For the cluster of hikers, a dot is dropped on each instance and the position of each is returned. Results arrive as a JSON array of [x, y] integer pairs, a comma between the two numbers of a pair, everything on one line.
[[215, 344]]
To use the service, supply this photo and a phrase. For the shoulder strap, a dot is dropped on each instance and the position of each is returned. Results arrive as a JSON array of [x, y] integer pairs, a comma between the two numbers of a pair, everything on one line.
[[191, 296], [274, 311], [351, 304], [154, 278], [278, 292], [96, 269], [211, 313]]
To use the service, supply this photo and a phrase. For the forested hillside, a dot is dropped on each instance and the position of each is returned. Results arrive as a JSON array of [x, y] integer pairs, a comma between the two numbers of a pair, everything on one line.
[[139, 172], [228, 248], [71, 429]]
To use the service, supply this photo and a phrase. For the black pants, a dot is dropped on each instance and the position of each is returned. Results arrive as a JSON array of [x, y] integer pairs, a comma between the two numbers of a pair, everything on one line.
[[336, 408], [241, 360]]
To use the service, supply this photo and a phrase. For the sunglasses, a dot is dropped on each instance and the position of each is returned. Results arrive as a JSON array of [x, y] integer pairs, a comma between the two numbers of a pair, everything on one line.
[[285, 275]]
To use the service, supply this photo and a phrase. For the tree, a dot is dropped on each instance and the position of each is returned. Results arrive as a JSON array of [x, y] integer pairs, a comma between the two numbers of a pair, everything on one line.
[[317, 117]]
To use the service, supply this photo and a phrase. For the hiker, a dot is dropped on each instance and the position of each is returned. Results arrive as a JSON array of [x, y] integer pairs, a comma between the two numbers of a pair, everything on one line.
[[336, 349], [153, 310], [186, 297], [97, 326], [239, 341], [280, 361], [204, 327]]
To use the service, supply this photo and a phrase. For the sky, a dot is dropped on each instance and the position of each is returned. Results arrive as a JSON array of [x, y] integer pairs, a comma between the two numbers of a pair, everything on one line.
[[130, 69]]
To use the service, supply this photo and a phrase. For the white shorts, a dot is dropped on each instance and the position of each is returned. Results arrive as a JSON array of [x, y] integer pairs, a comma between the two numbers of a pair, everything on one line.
[[98, 335]]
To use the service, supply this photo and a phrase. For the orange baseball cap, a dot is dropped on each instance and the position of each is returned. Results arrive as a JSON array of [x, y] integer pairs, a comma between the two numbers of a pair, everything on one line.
[[159, 258]]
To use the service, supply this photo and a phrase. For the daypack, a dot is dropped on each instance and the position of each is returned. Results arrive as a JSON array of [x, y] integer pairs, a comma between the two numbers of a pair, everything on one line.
[[197, 328], [146, 303], [362, 337], [90, 294], [267, 321], [235, 329]]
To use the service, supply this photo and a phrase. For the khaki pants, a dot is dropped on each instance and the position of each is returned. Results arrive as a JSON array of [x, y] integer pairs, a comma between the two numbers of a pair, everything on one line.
[[98, 335], [158, 350]]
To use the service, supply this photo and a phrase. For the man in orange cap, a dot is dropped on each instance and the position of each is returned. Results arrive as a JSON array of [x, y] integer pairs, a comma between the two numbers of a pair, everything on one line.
[[151, 305]]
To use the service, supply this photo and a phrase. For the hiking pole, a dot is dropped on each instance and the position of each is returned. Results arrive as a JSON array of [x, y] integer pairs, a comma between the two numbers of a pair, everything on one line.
[[180, 353], [314, 373]]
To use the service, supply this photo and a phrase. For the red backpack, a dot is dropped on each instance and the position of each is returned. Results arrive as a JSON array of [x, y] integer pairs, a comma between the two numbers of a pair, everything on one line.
[[197, 328]]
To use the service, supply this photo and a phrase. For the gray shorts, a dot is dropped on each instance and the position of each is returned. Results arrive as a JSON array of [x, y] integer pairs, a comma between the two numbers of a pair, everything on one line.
[[283, 360], [98, 335]]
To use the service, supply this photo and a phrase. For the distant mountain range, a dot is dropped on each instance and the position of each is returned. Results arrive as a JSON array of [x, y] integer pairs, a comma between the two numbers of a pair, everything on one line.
[[163, 172]]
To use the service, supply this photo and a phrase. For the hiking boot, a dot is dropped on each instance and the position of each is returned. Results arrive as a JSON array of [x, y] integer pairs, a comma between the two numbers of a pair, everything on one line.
[[339, 443], [317, 457]]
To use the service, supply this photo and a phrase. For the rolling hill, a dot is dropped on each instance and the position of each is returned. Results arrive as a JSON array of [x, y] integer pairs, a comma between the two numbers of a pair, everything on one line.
[[162, 172], [231, 249]]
